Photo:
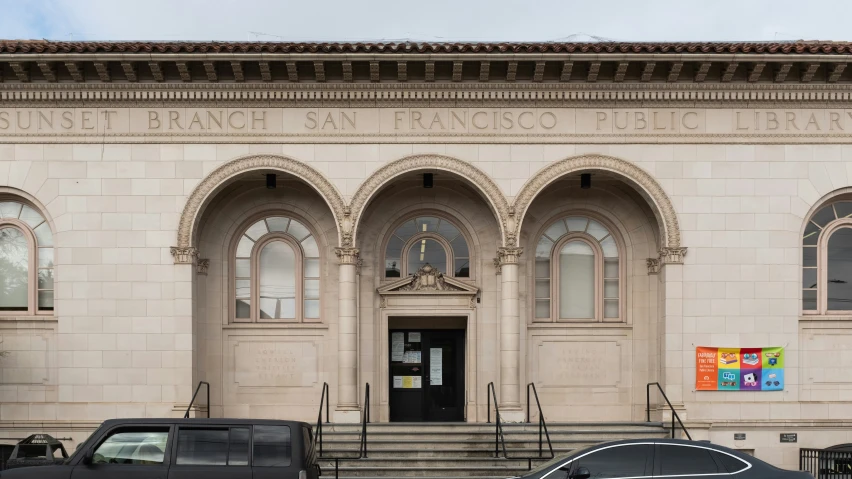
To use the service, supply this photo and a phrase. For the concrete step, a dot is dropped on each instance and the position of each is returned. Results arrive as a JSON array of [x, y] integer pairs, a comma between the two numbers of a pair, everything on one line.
[[429, 462], [471, 470], [596, 436], [461, 427], [442, 452]]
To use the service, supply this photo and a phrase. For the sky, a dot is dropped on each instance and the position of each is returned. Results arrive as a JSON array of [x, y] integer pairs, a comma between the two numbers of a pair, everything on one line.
[[430, 20]]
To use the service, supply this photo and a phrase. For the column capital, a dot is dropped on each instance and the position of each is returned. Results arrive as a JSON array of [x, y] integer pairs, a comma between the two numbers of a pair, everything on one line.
[[509, 255], [347, 255], [183, 255], [672, 255]]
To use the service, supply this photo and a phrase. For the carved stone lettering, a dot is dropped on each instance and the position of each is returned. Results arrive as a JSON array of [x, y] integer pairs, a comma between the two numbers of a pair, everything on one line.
[[276, 363], [578, 364]]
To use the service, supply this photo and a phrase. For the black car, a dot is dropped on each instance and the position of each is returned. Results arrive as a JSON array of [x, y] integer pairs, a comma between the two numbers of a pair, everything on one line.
[[652, 458], [187, 449]]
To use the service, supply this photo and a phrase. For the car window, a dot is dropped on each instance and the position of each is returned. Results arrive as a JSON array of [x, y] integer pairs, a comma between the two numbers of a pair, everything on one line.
[[272, 446], [133, 447], [676, 460], [617, 461], [207, 447], [239, 450], [730, 463]]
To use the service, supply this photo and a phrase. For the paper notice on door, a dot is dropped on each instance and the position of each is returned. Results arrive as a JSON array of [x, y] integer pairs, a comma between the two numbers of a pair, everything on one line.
[[413, 337], [407, 382], [397, 346], [397, 382], [411, 357], [416, 382], [436, 366]]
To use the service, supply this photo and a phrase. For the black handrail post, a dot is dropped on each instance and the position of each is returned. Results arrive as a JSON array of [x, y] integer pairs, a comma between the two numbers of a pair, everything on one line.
[[488, 394], [669, 403], [529, 420], [194, 395]]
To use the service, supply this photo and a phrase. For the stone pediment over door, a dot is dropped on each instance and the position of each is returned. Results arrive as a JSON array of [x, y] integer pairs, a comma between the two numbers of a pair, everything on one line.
[[428, 287]]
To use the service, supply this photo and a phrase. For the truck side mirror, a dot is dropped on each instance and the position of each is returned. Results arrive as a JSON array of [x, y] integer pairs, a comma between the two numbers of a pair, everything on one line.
[[581, 473], [88, 456]]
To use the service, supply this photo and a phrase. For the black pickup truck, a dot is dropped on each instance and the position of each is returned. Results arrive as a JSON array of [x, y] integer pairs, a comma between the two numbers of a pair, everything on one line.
[[188, 449]]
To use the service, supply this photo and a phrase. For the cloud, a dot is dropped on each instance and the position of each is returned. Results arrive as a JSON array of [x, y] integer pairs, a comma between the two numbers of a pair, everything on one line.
[[436, 20]]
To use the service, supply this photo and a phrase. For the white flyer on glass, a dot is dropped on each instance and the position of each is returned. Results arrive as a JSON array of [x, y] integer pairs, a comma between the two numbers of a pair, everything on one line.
[[397, 382], [397, 346], [416, 383], [413, 337], [436, 366]]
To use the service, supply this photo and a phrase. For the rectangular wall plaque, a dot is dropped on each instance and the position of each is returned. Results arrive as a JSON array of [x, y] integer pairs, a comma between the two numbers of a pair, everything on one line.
[[789, 437], [740, 436]]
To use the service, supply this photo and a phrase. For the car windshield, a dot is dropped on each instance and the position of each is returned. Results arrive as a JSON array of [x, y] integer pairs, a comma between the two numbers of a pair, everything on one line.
[[557, 460]]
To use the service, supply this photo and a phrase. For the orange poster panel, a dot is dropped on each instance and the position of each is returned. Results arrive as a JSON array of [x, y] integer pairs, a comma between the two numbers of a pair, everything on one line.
[[706, 369]]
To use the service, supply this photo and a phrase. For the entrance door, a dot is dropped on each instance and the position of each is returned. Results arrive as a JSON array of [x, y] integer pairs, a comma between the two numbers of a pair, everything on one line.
[[427, 375]]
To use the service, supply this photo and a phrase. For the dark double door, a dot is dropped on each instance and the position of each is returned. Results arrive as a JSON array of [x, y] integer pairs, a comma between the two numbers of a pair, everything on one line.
[[426, 375]]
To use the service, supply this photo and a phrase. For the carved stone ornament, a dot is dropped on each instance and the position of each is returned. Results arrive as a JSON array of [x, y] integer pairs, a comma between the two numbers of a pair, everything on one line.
[[672, 255], [647, 187], [509, 255], [241, 165], [202, 266], [478, 179], [653, 265], [347, 256], [428, 280], [184, 255]]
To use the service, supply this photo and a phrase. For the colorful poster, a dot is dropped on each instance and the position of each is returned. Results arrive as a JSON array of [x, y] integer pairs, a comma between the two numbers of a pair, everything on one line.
[[739, 369]]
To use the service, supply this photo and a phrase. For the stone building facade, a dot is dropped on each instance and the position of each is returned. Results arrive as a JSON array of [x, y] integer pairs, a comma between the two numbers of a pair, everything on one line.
[[422, 190]]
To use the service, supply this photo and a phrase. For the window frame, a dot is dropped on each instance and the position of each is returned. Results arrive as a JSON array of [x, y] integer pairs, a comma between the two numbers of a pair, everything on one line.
[[822, 267], [32, 262], [406, 250], [408, 243], [299, 254], [254, 264], [600, 265]]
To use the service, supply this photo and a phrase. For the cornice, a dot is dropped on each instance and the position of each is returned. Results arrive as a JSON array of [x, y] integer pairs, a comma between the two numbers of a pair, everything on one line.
[[424, 94]]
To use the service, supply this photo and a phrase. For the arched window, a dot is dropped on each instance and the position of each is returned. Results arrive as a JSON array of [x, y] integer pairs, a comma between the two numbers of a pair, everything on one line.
[[827, 260], [26, 260], [427, 240], [276, 272], [577, 272]]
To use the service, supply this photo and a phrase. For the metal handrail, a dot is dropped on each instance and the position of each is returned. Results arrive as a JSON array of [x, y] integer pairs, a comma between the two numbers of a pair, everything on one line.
[[542, 425], [192, 401], [323, 400], [499, 438], [674, 413], [365, 419]]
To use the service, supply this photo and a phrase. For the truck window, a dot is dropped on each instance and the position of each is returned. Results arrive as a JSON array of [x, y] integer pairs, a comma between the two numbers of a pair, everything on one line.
[[239, 451], [206, 447], [137, 446], [272, 446]]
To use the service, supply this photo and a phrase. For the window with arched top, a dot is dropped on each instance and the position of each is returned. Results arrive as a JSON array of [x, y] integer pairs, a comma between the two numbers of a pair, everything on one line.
[[427, 240], [276, 272], [577, 272], [26, 260], [827, 260]]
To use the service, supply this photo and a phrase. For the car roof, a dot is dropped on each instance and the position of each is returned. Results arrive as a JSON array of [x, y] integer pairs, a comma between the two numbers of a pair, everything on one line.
[[205, 422]]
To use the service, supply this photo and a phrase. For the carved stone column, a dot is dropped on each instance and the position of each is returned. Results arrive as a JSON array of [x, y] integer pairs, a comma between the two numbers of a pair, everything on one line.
[[510, 333], [347, 338]]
